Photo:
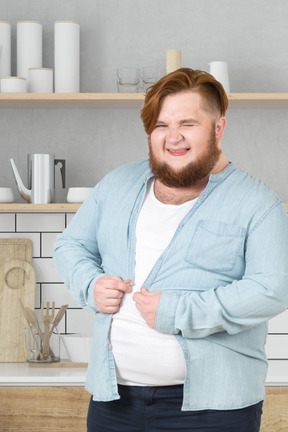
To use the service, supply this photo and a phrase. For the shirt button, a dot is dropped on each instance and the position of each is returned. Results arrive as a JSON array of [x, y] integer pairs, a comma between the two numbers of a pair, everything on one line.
[[132, 247], [135, 211], [110, 346]]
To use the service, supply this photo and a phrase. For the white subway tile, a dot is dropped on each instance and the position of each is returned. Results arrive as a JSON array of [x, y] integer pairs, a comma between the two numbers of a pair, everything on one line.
[[69, 217], [40, 222], [277, 347], [7, 222], [45, 271], [80, 321], [59, 294], [47, 244], [34, 237], [37, 296], [277, 372], [279, 324]]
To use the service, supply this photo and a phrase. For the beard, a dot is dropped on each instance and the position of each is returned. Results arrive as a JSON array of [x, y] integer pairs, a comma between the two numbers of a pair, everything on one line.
[[193, 173]]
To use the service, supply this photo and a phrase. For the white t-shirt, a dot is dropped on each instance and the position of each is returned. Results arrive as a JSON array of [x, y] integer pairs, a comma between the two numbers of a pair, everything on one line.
[[144, 356]]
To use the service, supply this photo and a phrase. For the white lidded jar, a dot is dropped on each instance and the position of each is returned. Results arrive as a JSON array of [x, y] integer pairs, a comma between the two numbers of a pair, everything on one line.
[[13, 85], [67, 56], [40, 80], [29, 46]]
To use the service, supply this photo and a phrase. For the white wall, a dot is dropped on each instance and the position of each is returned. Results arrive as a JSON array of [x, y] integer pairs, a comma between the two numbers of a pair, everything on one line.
[[251, 35]]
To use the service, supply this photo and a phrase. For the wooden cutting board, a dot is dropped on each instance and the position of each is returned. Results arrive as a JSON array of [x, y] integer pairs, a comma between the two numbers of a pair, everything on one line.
[[17, 280]]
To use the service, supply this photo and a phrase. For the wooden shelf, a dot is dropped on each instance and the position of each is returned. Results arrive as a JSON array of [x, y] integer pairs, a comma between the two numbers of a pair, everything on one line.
[[71, 100], [55, 207], [26, 207], [126, 100]]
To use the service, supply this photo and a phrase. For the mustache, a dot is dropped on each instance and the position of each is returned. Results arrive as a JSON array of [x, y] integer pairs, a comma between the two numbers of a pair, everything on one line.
[[191, 174]]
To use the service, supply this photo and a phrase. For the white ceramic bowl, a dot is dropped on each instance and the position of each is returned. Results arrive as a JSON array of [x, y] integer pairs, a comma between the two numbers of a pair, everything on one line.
[[6, 195], [78, 347], [78, 194]]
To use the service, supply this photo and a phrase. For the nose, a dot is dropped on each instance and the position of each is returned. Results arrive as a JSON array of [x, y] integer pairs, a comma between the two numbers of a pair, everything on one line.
[[173, 135]]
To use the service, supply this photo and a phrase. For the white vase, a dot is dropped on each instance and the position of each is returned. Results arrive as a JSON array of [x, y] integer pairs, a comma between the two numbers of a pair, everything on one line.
[[29, 46], [67, 56], [219, 70]]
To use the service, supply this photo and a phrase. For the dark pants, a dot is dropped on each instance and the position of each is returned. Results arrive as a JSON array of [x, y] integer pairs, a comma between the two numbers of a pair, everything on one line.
[[158, 409]]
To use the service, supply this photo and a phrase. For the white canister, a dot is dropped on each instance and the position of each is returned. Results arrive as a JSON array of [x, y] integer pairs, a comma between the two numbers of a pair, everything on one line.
[[13, 85], [40, 80], [173, 60], [219, 70], [5, 42], [29, 46], [67, 56]]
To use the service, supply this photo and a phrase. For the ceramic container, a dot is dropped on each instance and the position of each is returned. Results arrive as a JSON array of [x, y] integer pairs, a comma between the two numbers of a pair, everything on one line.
[[78, 194], [67, 56], [6, 195], [29, 46], [13, 85], [78, 347]]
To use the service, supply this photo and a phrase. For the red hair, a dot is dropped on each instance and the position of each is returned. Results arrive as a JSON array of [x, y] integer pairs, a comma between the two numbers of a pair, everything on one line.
[[214, 97]]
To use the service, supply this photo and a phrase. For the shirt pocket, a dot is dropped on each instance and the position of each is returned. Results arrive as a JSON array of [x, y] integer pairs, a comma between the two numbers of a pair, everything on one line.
[[216, 245]]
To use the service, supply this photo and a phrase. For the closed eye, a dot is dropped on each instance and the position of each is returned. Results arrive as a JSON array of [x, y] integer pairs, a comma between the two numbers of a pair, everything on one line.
[[160, 125]]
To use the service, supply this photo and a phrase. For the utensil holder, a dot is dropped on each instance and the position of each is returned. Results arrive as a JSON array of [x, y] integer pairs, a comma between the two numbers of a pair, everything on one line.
[[36, 349]]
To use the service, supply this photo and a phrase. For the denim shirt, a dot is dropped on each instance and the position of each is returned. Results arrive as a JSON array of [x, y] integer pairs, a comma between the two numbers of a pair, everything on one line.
[[223, 276]]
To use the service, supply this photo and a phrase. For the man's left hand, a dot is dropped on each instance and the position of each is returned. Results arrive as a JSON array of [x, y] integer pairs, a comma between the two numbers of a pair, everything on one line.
[[147, 304]]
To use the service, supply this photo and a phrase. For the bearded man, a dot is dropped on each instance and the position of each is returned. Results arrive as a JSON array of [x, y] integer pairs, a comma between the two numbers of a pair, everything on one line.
[[183, 258]]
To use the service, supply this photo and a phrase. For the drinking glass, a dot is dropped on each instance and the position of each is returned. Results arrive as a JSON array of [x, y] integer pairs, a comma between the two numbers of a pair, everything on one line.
[[128, 79], [150, 75]]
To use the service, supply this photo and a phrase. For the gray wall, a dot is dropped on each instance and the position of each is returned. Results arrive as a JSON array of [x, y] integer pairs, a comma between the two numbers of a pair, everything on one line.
[[251, 35]]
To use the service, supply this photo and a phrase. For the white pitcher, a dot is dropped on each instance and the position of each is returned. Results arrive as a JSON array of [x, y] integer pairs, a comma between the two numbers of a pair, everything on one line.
[[219, 70]]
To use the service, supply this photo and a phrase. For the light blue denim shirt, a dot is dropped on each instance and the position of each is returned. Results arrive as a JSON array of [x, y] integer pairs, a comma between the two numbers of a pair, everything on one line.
[[223, 275]]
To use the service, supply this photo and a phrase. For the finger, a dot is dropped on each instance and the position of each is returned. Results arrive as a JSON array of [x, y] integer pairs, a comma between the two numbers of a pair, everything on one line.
[[109, 305], [115, 284], [113, 294], [123, 287]]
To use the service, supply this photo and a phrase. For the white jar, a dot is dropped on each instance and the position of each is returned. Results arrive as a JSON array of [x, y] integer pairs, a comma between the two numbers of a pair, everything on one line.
[[67, 56], [29, 46], [40, 80], [13, 85]]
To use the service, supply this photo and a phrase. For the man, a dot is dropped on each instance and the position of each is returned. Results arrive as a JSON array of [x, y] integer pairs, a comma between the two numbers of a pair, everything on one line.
[[184, 260]]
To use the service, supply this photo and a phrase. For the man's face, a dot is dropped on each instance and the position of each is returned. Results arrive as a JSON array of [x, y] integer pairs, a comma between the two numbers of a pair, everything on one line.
[[184, 145]]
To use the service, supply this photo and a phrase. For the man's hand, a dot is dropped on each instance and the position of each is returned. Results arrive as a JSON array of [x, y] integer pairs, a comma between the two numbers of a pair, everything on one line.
[[108, 292], [147, 304]]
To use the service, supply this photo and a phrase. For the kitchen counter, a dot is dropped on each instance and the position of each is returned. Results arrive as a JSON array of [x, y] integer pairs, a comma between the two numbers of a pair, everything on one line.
[[26, 374], [66, 374], [32, 396]]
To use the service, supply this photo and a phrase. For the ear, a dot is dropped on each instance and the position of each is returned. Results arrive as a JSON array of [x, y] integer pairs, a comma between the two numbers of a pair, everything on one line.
[[219, 128]]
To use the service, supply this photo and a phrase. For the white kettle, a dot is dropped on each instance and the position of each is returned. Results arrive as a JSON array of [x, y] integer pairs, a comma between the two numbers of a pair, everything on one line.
[[41, 178]]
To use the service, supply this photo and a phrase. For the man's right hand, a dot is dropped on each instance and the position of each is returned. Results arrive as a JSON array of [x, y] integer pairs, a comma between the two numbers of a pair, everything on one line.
[[108, 293]]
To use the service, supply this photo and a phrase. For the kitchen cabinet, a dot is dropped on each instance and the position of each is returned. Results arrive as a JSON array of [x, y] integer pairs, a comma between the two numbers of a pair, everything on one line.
[[34, 409], [54, 409]]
